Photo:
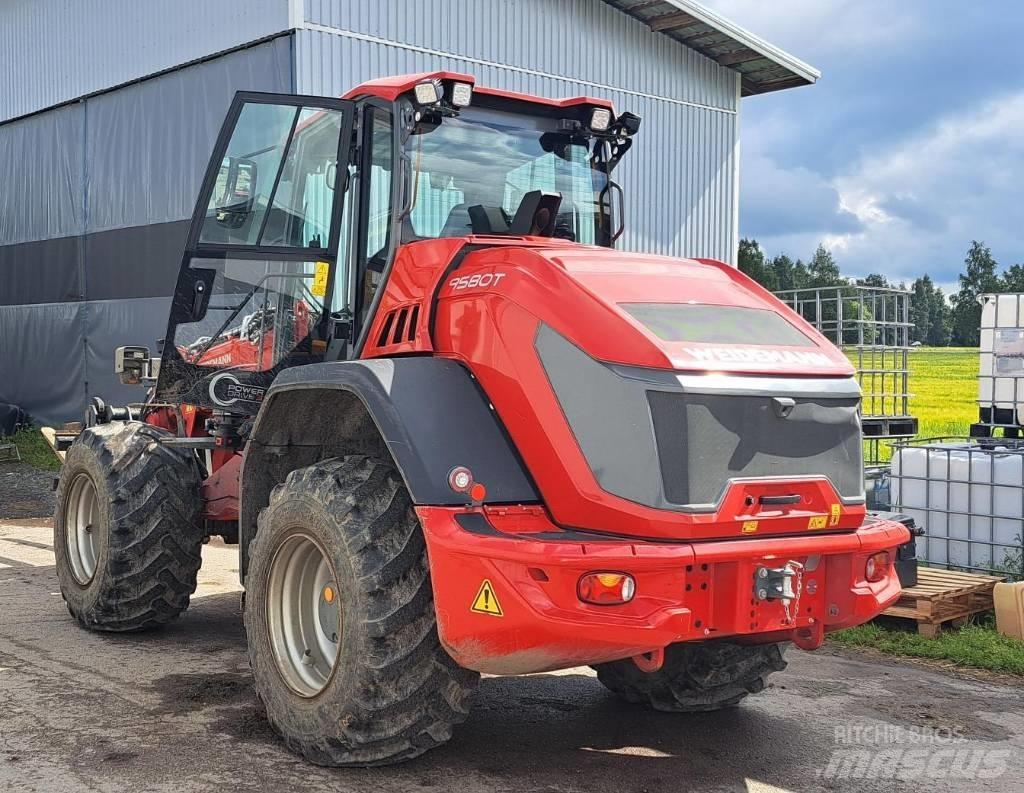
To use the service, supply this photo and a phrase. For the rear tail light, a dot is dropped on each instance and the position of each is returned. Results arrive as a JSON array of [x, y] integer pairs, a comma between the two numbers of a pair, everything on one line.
[[606, 589], [877, 567]]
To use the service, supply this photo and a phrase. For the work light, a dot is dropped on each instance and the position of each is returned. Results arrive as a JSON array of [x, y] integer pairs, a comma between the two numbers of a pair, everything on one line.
[[600, 119], [462, 94], [428, 92]]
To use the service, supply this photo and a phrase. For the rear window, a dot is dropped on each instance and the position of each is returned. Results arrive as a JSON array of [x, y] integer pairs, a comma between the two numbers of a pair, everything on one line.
[[706, 324]]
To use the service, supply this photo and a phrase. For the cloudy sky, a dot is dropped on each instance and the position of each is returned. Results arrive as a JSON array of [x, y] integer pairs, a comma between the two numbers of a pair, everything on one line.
[[910, 145]]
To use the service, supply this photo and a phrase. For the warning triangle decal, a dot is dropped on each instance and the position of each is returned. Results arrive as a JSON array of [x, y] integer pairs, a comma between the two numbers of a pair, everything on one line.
[[486, 602]]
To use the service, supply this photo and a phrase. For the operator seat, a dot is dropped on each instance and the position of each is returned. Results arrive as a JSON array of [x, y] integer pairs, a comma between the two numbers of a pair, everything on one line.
[[459, 223]]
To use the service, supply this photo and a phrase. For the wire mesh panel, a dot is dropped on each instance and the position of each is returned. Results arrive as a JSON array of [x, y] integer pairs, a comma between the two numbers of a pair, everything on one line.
[[1001, 366], [872, 326], [969, 497]]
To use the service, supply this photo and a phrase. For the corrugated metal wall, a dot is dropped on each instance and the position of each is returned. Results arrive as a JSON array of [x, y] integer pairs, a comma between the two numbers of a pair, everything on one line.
[[680, 177], [53, 51]]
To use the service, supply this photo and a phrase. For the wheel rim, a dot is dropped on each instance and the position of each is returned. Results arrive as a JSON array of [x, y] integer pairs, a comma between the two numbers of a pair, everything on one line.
[[81, 529], [304, 614]]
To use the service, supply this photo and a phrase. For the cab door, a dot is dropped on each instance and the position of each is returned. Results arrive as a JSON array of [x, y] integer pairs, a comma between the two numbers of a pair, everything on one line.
[[261, 260]]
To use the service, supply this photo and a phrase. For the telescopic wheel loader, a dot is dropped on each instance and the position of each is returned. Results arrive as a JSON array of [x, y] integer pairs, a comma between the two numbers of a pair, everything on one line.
[[454, 431]]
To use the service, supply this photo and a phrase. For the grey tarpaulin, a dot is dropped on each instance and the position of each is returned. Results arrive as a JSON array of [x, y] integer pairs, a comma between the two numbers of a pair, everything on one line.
[[147, 144], [41, 159], [42, 360], [93, 202]]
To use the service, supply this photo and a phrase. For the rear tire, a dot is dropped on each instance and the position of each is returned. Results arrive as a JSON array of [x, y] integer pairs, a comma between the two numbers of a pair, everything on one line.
[[695, 676], [127, 533], [339, 553]]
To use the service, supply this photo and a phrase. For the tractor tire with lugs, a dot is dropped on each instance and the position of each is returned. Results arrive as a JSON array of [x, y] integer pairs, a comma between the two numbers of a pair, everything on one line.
[[340, 619], [127, 531], [697, 676]]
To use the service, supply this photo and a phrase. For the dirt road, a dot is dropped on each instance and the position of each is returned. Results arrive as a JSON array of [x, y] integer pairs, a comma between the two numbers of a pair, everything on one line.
[[174, 711]]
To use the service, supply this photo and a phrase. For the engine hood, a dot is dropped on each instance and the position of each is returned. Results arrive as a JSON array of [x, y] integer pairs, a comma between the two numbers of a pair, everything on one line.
[[701, 315]]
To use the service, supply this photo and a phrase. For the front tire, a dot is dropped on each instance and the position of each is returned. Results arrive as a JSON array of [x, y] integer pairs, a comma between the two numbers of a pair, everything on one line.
[[698, 676], [340, 620], [127, 533]]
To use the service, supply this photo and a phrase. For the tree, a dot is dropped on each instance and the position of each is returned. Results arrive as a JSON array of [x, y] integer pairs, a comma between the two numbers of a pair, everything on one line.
[[751, 260], [979, 278], [876, 280], [823, 270], [782, 268], [921, 305], [941, 321], [1013, 279]]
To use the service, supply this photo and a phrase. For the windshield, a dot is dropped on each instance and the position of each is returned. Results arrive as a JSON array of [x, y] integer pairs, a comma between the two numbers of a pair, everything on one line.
[[470, 173]]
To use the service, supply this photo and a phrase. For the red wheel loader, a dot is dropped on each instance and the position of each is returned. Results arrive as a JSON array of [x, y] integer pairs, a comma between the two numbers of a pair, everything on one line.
[[453, 430]]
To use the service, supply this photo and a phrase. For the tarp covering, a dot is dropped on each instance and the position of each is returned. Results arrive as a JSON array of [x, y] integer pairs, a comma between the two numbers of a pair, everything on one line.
[[147, 144], [94, 202], [54, 356]]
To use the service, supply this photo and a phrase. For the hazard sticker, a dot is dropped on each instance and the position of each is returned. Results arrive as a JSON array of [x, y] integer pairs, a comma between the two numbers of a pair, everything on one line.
[[837, 511], [749, 526], [817, 522], [486, 602], [320, 275]]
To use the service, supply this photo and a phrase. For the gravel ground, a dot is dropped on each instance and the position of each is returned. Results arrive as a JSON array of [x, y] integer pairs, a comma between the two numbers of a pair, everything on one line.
[[26, 492], [174, 710]]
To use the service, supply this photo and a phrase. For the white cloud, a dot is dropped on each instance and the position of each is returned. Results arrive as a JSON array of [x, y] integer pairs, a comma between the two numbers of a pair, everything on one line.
[[923, 199], [918, 201], [809, 28]]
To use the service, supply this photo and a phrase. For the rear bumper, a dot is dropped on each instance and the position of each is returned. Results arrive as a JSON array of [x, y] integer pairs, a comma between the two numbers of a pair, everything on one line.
[[684, 592]]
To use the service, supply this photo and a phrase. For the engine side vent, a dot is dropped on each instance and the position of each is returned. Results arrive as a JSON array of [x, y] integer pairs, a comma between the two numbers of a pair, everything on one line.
[[399, 326]]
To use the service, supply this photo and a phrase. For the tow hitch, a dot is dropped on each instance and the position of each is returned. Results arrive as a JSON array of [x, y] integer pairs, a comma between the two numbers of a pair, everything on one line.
[[785, 584], [780, 583]]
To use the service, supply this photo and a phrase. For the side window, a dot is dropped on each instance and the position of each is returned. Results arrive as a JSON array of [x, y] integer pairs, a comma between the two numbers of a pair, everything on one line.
[[377, 200], [275, 186]]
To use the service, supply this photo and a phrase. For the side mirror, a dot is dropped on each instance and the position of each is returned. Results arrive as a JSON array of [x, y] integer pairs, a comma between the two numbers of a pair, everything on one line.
[[234, 192]]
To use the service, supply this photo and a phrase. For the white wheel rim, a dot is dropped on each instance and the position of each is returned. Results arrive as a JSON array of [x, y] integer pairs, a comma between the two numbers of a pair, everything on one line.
[[81, 528], [303, 614]]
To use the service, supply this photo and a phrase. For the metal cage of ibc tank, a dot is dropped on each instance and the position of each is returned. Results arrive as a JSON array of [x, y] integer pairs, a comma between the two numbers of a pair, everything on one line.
[[872, 326], [1001, 367], [974, 520]]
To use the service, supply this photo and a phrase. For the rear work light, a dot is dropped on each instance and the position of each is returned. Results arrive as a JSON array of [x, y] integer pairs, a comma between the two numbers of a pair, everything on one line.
[[606, 589], [462, 94], [877, 567], [600, 119]]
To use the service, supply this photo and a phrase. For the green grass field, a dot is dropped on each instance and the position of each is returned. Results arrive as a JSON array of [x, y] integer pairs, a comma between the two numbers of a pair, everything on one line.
[[944, 384]]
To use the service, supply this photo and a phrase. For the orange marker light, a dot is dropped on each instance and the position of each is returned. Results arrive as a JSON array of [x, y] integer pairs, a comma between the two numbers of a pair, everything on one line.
[[478, 492], [606, 589]]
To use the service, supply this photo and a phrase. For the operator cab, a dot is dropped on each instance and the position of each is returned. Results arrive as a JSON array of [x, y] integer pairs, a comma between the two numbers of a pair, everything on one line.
[[307, 200]]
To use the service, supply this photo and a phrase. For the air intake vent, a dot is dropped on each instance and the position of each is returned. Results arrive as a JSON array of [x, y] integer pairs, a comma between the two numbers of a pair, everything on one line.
[[399, 326]]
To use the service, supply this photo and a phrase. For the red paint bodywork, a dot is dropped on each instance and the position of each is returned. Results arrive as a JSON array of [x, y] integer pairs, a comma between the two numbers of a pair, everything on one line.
[[390, 88], [684, 591], [694, 571]]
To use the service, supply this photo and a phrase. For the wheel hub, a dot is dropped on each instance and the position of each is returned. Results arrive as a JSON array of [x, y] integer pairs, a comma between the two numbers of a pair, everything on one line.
[[81, 514], [303, 614]]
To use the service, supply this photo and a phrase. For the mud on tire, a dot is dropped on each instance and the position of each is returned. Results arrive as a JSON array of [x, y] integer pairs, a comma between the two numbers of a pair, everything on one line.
[[696, 676], [393, 692], [145, 528]]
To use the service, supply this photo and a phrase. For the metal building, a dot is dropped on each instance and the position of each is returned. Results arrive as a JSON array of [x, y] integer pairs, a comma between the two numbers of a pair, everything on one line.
[[109, 111]]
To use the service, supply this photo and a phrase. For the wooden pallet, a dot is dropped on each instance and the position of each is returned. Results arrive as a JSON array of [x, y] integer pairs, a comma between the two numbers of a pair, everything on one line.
[[942, 596]]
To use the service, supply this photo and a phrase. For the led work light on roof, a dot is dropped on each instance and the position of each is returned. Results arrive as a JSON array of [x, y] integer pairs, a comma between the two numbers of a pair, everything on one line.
[[462, 94], [428, 92], [600, 119]]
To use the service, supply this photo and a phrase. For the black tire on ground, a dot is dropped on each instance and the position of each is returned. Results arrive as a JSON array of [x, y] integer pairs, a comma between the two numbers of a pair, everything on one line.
[[695, 676], [394, 692], [148, 528]]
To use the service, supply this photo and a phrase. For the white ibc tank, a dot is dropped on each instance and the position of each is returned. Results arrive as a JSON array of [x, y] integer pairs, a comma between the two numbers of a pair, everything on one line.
[[1001, 369], [969, 500]]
